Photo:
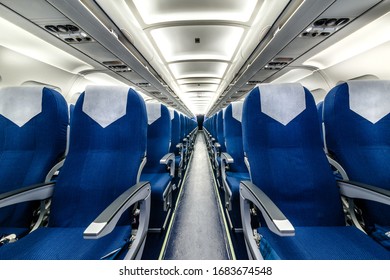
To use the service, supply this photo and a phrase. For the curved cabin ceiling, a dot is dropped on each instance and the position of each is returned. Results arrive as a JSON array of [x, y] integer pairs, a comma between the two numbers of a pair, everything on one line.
[[196, 46], [197, 56]]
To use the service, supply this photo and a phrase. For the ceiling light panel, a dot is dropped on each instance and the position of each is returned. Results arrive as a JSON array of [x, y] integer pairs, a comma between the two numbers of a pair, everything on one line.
[[153, 12], [199, 87], [198, 80], [207, 95], [214, 42], [184, 70]]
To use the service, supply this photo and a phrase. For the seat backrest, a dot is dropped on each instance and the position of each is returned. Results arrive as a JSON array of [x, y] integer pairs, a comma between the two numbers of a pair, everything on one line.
[[320, 107], [159, 136], [175, 130], [357, 128], [33, 125], [282, 142], [107, 145], [233, 136], [220, 133], [71, 109]]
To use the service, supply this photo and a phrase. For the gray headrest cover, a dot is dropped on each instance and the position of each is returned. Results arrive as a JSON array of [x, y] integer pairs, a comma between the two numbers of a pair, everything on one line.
[[154, 112], [237, 110], [370, 99], [282, 102], [105, 104], [20, 104]]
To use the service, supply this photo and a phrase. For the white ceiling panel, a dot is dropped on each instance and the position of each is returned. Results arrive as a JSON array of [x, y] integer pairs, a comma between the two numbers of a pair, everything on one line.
[[202, 42], [199, 87], [194, 45], [198, 80], [153, 12], [193, 69]]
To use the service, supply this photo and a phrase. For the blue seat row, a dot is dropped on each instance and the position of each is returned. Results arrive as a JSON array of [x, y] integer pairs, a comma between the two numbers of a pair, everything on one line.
[[356, 124], [292, 184], [101, 201], [278, 170]]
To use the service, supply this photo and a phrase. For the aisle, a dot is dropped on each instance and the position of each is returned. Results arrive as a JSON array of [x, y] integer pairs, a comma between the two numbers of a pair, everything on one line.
[[197, 231]]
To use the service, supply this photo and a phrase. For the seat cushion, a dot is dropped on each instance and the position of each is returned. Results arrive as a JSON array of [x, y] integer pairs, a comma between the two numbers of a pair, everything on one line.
[[158, 181], [325, 243], [233, 179], [177, 161], [64, 244], [19, 232]]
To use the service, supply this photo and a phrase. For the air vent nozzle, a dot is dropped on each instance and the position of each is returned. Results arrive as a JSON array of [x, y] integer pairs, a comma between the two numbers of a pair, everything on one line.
[[69, 33], [324, 27]]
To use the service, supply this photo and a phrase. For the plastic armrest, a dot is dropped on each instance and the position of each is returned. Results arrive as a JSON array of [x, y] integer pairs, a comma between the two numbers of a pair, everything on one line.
[[108, 219], [353, 189], [227, 158], [30, 193], [275, 219], [55, 168], [169, 159]]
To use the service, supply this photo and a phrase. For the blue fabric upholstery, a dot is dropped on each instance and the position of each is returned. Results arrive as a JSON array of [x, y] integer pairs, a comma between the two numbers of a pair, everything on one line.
[[237, 170], [102, 163], [177, 160], [360, 144], [281, 139], [320, 107], [158, 181], [234, 179], [159, 137], [175, 132], [233, 138], [66, 244], [278, 156], [325, 243], [182, 127], [220, 132], [29, 151]]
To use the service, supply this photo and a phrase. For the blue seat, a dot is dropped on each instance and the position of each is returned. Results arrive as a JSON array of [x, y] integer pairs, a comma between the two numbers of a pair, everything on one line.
[[176, 146], [320, 109], [357, 125], [91, 215], [33, 128], [183, 140], [220, 131], [210, 132], [233, 168], [301, 217], [219, 146], [212, 143], [160, 165]]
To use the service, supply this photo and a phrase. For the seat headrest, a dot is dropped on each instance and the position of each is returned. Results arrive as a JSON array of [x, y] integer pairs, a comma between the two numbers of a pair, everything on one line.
[[105, 104], [172, 113], [288, 98], [153, 111], [20, 104], [369, 99], [237, 110]]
